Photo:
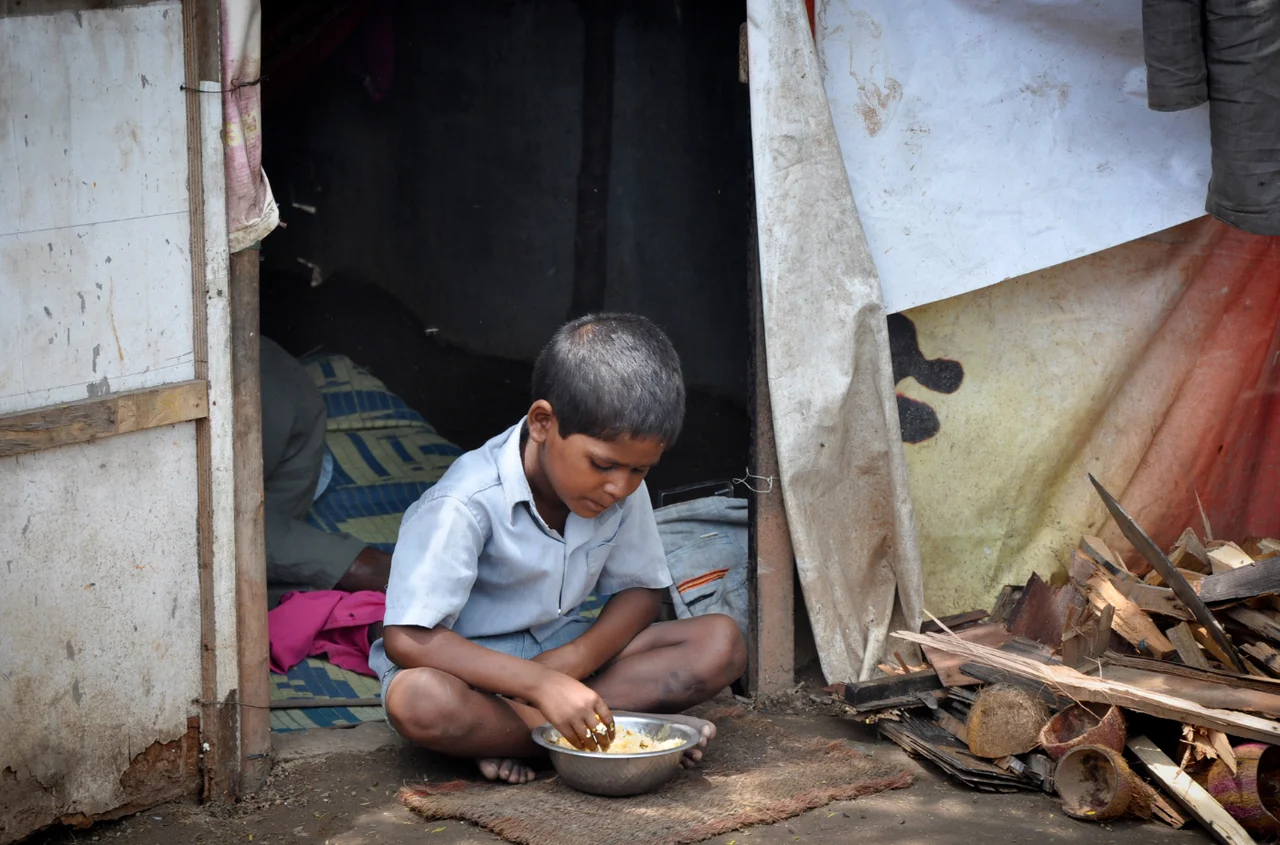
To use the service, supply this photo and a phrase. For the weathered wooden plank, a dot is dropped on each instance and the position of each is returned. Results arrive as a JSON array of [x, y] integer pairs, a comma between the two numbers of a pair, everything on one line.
[[1217, 676], [1268, 656], [893, 691], [1153, 599], [94, 419], [1206, 693], [1135, 535], [1130, 621], [1189, 794], [948, 665], [1256, 621], [955, 623], [1066, 681], [1246, 582], [1188, 649]]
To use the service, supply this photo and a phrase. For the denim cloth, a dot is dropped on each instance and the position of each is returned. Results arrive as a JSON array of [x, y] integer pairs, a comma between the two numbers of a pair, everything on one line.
[[706, 545]]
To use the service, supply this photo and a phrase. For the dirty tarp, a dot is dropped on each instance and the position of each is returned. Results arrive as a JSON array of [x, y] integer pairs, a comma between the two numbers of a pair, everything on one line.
[[1151, 365], [843, 475], [251, 210]]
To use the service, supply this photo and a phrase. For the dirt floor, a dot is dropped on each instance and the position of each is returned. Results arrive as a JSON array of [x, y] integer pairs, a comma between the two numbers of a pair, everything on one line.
[[338, 787]]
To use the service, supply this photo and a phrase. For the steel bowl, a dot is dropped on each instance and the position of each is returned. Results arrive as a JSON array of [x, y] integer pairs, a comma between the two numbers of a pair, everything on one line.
[[617, 775]]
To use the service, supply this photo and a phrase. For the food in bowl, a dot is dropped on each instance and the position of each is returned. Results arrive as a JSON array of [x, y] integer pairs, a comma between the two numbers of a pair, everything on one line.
[[627, 741]]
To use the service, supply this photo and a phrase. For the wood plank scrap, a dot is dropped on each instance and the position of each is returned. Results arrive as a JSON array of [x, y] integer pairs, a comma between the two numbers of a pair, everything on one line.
[[1067, 682], [948, 665], [1246, 582], [1130, 621], [1191, 795], [1135, 535], [1188, 649], [891, 692], [1228, 557]]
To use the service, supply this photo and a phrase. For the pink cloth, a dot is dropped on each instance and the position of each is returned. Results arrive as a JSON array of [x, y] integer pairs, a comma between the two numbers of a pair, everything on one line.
[[328, 622]]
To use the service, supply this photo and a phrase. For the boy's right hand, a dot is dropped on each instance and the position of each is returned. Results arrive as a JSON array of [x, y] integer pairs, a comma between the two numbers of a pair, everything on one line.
[[572, 708]]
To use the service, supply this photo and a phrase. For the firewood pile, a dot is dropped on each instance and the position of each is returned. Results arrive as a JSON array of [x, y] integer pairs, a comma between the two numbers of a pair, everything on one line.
[[1146, 685]]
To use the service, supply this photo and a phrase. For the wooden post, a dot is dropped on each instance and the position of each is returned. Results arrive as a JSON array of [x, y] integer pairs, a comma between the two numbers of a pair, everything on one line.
[[202, 48], [251, 556], [773, 600]]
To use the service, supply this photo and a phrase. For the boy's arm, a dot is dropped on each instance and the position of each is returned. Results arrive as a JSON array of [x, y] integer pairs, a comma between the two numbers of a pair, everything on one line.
[[572, 708], [624, 616], [432, 573]]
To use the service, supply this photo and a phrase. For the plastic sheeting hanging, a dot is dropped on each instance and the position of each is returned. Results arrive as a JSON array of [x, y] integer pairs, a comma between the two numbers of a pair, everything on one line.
[[835, 414], [251, 210]]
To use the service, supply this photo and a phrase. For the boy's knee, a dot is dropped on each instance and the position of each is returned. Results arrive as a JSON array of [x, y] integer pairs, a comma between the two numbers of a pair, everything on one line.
[[723, 639], [424, 707]]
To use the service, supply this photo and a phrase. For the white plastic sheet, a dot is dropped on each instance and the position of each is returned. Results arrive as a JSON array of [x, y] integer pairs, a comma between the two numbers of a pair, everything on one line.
[[988, 139], [835, 413]]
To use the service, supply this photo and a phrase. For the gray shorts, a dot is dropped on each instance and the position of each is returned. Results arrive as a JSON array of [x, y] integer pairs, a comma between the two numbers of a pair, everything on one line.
[[521, 644]]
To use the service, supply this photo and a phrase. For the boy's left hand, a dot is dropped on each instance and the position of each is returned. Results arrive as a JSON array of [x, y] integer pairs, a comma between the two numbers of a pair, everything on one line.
[[568, 659]]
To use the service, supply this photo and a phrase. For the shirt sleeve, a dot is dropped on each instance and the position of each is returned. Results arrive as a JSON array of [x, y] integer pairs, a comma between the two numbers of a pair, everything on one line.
[[637, 559], [435, 563]]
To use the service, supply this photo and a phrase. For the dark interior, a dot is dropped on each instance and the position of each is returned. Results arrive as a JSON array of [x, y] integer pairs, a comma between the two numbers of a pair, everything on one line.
[[458, 178]]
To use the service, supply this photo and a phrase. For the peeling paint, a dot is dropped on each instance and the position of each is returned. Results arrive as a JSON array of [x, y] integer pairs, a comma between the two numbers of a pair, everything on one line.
[[98, 388], [97, 350]]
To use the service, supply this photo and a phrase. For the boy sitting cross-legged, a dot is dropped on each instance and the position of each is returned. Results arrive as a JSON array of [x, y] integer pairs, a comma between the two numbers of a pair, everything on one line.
[[483, 641]]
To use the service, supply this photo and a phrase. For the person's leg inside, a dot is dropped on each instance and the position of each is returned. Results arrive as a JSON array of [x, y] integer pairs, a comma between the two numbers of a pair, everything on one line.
[[300, 556]]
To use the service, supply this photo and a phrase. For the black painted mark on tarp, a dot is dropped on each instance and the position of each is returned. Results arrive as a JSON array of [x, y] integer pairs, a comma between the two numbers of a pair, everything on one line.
[[941, 375]]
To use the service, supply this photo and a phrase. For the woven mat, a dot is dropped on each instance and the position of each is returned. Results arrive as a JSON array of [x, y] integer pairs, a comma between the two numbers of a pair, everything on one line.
[[315, 678], [754, 773]]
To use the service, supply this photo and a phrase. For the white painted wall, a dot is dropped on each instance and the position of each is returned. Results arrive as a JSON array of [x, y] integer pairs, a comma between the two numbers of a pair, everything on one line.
[[95, 276], [99, 610], [99, 574]]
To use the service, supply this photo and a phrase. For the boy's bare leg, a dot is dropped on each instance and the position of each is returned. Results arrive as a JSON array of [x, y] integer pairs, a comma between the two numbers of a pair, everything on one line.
[[440, 712], [667, 668], [672, 666]]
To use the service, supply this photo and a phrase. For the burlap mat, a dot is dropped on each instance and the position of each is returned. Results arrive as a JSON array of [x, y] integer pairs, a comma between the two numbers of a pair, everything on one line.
[[754, 773]]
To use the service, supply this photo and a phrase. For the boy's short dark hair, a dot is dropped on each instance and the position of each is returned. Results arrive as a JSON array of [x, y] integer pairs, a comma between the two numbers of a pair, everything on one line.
[[612, 375]]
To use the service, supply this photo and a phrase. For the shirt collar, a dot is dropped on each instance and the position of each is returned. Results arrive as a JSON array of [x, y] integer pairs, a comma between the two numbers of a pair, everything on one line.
[[515, 484]]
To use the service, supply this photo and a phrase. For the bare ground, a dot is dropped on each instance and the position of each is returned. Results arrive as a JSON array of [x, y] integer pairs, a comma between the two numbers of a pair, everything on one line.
[[338, 787]]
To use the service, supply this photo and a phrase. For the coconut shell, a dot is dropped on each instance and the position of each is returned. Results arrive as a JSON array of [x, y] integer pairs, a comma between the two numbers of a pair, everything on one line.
[[1077, 726], [1252, 794], [1005, 720], [1096, 784]]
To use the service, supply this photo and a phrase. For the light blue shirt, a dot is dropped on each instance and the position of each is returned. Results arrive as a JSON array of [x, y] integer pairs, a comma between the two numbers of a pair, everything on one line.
[[475, 556]]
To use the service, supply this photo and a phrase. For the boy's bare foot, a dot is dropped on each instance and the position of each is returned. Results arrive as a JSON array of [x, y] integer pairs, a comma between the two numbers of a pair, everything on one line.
[[507, 770]]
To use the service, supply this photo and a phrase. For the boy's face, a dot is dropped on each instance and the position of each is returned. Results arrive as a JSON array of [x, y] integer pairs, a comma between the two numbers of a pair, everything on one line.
[[588, 475]]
